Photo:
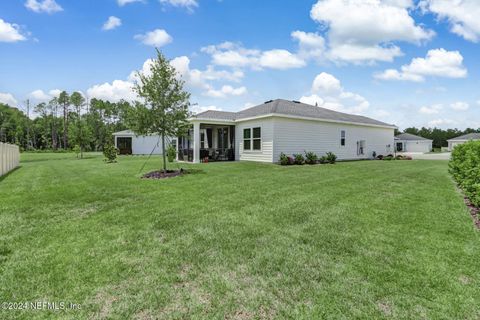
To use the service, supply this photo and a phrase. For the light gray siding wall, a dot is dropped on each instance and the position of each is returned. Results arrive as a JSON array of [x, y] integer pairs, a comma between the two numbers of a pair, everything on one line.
[[297, 135], [264, 155], [418, 146]]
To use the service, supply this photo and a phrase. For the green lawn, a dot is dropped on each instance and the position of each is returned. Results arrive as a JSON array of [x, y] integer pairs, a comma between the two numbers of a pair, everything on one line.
[[378, 239]]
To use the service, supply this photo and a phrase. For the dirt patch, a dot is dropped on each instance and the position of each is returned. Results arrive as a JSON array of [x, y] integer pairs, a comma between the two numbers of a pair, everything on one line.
[[474, 212], [164, 174], [385, 308]]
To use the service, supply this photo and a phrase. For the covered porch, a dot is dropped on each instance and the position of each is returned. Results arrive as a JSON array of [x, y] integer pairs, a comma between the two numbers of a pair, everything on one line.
[[207, 142]]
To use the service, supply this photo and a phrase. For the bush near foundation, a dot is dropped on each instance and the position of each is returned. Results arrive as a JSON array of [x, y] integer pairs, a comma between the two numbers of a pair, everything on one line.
[[465, 169]]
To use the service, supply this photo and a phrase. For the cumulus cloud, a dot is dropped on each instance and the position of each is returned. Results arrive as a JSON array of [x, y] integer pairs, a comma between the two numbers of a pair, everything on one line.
[[327, 92], [460, 106], [311, 45], [461, 15], [41, 96], [442, 123], [364, 30], [226, 91], [188, 4], [433, 109], [47, 6], [197, 109], [114, 92], [155, 38], [112, 23], [10, 32], [437, 63], [235, 55], [7, 98]]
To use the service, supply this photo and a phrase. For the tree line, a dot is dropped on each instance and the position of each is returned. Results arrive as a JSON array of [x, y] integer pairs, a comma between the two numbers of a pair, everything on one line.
[[63, 123], [439, 136]]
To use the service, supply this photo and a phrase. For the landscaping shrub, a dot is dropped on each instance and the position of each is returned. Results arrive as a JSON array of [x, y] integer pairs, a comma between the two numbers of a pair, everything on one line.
[[299, 159], [310, 157], [284, 160], [76, 150], [380, 157], [331, 157], [323, 159], [110, 153], [465, 169], [388, 158], [171, 153]]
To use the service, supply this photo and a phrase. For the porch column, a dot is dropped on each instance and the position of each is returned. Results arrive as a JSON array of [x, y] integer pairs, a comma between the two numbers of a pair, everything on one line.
[[196, 142]]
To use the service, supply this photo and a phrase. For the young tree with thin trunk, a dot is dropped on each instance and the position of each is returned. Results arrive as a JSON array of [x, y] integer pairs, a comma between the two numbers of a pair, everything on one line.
[[64, 100], [164, 109]]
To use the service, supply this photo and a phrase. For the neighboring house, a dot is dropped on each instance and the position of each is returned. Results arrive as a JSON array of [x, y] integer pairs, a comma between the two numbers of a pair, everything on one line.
[[452, 143], [263, 132], [406, 142], [128, 143]]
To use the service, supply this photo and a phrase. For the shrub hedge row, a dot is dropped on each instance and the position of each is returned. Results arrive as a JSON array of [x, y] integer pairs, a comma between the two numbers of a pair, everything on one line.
[[465, 169]]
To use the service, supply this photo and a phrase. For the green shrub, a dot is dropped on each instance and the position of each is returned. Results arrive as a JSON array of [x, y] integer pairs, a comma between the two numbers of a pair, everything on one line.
[[284, 161], [323, 159], [310, 157], [76, 150], [171, 153], [388, 158], [331, 157], [465, 169], [299, 159], [110, 153]]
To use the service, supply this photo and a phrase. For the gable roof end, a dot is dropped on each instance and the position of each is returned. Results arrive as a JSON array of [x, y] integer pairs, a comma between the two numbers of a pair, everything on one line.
[[466, 137]]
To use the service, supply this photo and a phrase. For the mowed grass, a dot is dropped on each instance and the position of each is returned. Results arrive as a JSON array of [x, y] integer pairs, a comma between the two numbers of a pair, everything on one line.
[[362, 240]]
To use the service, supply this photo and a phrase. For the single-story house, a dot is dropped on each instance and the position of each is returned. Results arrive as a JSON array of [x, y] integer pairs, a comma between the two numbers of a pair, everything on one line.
[[407, 142], [263, 132], [128, 143], [452, 143]]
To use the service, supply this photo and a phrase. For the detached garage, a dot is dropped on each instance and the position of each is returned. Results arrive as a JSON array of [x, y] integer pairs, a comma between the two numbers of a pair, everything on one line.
[[452, 143], [407, 142], [128, 143]]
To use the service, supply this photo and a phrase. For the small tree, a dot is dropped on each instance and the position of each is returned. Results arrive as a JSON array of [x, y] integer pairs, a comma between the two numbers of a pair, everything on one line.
[[164, 109]]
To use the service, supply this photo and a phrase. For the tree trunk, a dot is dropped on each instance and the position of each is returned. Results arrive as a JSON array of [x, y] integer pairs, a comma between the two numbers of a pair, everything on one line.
[[64, 126], [163, 153]]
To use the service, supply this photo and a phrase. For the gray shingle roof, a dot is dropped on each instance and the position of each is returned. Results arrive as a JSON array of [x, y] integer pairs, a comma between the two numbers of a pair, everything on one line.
[[409, 136], [290, 108], [470, 136]]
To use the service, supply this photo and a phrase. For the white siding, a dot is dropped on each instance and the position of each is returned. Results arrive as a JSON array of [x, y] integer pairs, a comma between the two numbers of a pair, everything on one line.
[[145, 144], [418, 146], [264, 155], [9, 157], [296, 136]]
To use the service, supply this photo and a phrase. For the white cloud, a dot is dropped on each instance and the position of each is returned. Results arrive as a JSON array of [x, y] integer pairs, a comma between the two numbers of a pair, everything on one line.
[[48, 6], [121, 3], [460, 106], [10, 32], [226, 91], [461, 14], [54, 92], [434, 109], [312, 45], [437, 63], [280, 59], [114, 92], [188, 4], [155, 38], [7, 98], [236, 56], [327, 92], [364, 30], [442, 123], [112, 23], [198, 109], [39, 95]]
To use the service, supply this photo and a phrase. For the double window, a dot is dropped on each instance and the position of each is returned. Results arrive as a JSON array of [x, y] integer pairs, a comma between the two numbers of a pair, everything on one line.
[[252, 139], [342, 138]]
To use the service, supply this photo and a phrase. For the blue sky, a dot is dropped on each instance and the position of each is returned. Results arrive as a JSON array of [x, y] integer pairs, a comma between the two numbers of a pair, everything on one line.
[[411, 63]]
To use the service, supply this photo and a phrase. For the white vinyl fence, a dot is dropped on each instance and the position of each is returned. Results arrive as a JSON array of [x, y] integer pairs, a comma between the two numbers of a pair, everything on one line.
[[9, 157]]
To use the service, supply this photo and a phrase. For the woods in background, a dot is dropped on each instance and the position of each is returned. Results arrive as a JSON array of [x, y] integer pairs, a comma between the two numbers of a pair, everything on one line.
[[439, 136], [63, 123]]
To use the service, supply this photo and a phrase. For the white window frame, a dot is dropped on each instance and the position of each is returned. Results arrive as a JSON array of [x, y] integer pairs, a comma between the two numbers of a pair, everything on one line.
[[251, 139], [343, 136]]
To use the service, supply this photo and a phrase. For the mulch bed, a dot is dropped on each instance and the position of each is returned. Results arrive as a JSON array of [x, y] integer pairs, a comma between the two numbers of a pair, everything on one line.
[[474, 212], [164, 174]]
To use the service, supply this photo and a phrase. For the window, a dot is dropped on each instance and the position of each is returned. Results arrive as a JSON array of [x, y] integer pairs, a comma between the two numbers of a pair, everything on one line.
[[202, 140], [252, 139], [247, 134], [257, 138], [361, 147], [342, 138]]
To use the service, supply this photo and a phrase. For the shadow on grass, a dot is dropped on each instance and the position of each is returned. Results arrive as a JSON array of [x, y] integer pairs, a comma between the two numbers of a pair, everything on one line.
[[9, 173]]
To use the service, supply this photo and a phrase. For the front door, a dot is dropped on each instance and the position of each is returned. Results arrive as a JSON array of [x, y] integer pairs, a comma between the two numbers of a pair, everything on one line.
[[124, 145]]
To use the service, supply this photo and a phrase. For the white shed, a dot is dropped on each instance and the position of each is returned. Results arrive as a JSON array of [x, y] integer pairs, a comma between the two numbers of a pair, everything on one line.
[[452, 143], [407, 142], [128, 143]]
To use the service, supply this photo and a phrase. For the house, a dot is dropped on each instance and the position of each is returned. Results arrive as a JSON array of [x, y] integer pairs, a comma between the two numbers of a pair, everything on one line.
[[452, 143], [407, 142], [263, 132], [128, 143]]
